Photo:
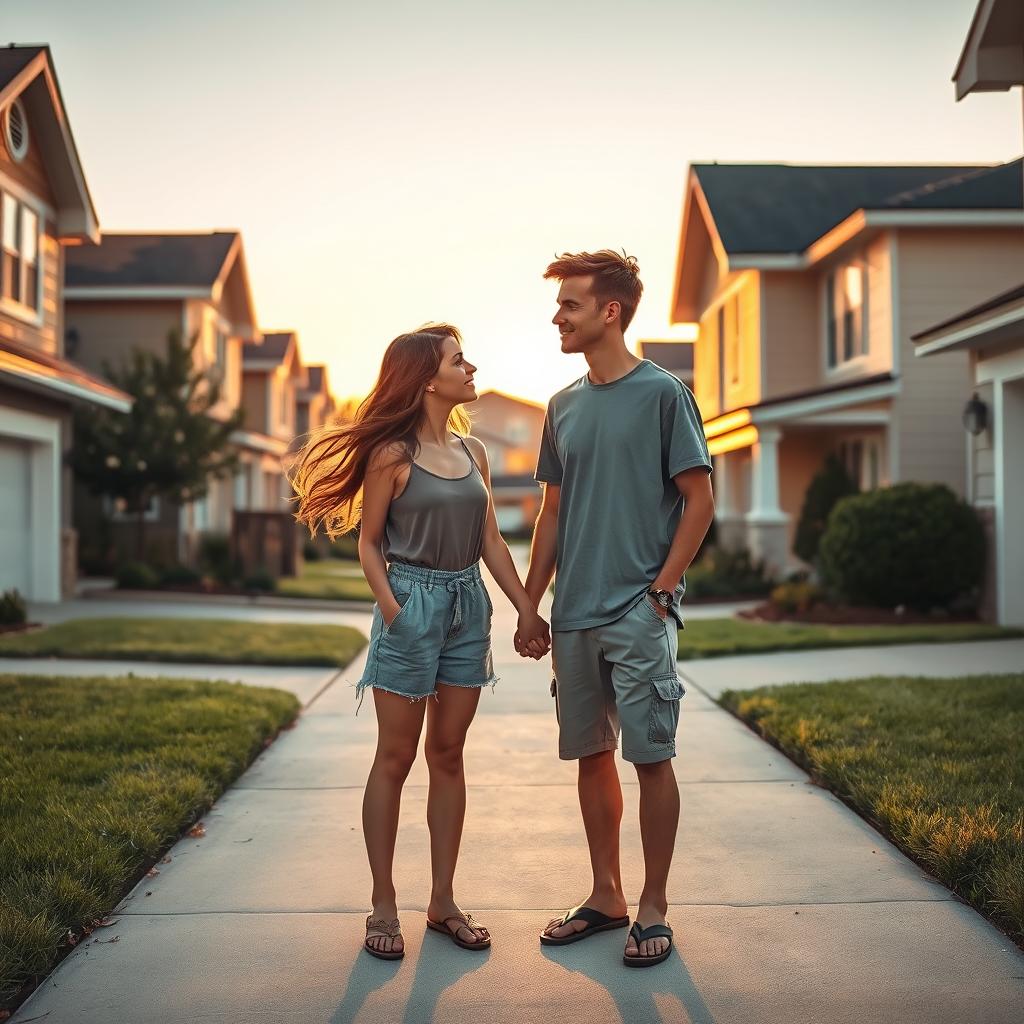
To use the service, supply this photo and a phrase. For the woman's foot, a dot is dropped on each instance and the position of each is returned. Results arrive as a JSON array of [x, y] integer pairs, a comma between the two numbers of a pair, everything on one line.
[[447, 913], [384, 933]]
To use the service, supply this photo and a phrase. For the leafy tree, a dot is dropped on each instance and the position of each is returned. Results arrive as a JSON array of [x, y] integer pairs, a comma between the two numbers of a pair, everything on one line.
[[168, 445]]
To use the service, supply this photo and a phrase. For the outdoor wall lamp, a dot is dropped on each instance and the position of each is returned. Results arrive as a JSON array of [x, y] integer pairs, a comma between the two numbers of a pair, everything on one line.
[[975, 417]]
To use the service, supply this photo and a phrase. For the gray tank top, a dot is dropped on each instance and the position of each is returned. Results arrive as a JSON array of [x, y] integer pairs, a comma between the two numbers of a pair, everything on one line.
[[438, 521]]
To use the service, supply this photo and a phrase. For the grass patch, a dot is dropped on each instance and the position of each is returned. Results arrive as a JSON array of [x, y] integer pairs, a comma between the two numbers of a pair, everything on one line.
[[715, 638], [216, 641], [935, 763], [97, 776], [329, 579]]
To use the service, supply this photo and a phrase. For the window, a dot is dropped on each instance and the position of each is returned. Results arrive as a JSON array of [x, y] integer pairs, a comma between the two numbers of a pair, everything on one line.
[[861, 458], [845, 320], [20, 276], [221, 354]]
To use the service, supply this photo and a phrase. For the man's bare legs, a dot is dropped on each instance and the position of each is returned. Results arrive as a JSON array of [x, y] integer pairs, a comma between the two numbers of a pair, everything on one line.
[[659, 819], [601, 804], [448, 720], [399, 721]]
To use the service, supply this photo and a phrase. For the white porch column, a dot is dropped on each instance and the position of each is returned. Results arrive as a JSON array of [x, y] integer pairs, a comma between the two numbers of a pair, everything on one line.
[[729, 520], [1008, 422], [767, 524]]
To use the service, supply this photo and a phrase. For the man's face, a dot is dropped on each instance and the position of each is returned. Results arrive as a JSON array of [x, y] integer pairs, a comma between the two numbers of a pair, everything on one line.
[[581, 320]]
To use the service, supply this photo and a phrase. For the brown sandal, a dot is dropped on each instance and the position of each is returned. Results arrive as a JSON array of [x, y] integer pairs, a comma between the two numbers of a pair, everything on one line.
[[465, 921], [378, 926]]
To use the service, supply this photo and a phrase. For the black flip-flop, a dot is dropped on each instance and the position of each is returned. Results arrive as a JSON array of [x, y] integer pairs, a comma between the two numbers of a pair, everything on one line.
[[596, 922], [655, 931]]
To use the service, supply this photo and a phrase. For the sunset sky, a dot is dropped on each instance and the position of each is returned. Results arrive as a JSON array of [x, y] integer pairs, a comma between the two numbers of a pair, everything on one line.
[[396, 162]]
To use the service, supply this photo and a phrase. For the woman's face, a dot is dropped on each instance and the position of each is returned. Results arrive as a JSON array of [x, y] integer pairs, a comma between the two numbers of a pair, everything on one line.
[[453, 381]]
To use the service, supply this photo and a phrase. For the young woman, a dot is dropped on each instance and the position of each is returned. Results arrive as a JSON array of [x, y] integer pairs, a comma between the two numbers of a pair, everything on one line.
[[407, 470]]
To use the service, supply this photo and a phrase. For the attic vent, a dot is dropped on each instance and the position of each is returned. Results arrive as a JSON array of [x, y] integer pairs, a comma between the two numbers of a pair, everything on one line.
[[16, 130]]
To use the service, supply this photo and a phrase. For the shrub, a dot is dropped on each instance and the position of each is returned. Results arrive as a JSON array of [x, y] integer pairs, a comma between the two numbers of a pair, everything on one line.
[[831, 483], [135, 576], [346, 547], [13, 610], [216, 560], [260, 580], [177, 575], [796, 596], [728, 573], [913, 544], [311, 551]]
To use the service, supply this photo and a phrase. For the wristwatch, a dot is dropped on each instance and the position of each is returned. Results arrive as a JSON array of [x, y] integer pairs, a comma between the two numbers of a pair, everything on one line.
[[663, 597]]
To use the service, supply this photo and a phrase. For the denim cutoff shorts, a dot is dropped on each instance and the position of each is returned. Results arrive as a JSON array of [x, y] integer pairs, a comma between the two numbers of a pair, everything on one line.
[[441, 634]]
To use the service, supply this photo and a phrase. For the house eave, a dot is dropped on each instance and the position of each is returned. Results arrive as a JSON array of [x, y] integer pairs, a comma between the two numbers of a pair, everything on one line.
[[993, 328]]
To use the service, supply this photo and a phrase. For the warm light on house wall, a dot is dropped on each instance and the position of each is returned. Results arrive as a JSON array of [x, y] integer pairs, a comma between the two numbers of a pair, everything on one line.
[[724, 424], [736, 439]]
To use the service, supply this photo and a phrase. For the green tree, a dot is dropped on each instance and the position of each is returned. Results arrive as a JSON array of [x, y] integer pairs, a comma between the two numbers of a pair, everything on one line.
[[168, 446], [830, 483]]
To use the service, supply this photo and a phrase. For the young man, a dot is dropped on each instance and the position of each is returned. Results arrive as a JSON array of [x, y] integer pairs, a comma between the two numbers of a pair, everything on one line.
[[627, 502]]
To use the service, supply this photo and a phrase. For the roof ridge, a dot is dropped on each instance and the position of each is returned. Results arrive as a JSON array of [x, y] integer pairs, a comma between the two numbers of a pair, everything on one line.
[[942, 185]]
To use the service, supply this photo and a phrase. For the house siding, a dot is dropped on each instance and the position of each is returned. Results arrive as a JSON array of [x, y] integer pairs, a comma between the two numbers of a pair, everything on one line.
[[715, 393], [941, 273]]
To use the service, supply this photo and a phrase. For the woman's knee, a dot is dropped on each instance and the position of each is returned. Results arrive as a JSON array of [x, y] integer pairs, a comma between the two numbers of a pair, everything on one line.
[[396, 759], [445, 754]]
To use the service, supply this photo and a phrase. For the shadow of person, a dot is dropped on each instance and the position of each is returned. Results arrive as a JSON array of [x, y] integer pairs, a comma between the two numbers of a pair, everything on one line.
[[440, 964], [665, 992]]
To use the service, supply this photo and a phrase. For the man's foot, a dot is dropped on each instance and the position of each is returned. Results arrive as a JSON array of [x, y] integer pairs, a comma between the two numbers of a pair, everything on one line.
[[613, 906], [645, 917], [445, 912]]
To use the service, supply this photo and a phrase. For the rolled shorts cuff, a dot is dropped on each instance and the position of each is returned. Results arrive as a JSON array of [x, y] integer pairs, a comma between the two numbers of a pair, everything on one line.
[[575, 753], [652, 755]]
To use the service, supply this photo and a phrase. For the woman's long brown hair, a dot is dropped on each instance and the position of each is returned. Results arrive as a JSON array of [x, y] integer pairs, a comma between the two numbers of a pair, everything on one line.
[[328, 472]]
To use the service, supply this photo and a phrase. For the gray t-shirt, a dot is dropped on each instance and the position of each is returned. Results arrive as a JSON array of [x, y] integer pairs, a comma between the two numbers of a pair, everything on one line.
[[613, 449]]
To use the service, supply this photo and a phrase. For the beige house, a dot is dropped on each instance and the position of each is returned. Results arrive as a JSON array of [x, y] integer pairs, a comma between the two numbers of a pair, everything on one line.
[[808, 283], [510, 429], [991, 333], [272, 378], [314, 404], [130, 292], [44, 207]]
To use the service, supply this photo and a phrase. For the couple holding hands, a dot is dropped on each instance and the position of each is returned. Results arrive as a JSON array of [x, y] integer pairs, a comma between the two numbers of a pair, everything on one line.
[[627, 502]]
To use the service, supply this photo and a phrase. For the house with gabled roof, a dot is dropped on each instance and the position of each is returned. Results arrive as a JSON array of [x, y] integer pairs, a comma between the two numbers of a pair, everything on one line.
[[130, 292], [808, 283], [45, 208], [272, 377], [991, 335], [314, 403]]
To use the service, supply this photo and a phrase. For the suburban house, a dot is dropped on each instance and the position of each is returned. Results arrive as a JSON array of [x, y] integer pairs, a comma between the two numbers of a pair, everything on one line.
[[314, 404], [130, 292], [44, 207], [510, 429], [674, 356], [272, 378], [808, 283], [992, 335]]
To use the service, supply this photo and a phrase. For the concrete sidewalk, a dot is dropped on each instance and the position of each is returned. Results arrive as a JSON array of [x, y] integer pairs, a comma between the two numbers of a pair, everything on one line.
[[787, 906]]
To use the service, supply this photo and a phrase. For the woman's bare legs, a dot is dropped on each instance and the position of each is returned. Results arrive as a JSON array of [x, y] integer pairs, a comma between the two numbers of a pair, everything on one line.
[[448, 720], [399, 723]]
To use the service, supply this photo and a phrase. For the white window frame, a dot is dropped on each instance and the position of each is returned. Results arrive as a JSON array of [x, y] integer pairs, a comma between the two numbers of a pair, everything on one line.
[[861, 352], [115, 515], [15, 307]]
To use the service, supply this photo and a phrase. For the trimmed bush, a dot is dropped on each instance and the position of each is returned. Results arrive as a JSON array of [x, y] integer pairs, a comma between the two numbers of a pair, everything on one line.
[[830, 484], [215, 558], [136, 576], [346, 547], [311, 551], [917, 545], [796, 596], [260, 580], [13, 610], [177, 575]]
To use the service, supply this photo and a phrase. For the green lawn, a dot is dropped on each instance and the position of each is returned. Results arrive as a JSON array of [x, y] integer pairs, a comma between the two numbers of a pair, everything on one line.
[[935, 763], [714, 638], [331, 578], [222, 641], [98, 775]]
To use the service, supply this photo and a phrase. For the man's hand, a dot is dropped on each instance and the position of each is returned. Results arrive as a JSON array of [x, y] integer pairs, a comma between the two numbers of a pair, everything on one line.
[[663, 612], [533, 636]]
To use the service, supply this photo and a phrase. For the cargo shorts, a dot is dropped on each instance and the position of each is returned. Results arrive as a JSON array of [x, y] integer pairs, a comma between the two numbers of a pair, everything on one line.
[[620, 676]]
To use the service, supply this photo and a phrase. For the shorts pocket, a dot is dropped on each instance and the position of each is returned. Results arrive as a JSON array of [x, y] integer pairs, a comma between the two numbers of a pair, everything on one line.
[[666, 692], [404, 600]]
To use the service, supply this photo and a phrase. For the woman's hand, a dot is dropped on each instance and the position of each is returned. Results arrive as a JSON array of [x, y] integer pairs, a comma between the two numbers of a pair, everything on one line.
[[533, 636], [389, 615]]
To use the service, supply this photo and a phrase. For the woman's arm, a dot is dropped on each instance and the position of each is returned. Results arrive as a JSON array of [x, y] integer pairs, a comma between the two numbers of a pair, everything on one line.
[[382, 476]]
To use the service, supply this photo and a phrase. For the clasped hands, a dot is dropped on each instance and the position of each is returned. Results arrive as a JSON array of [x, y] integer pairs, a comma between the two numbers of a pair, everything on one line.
[[533, 636]]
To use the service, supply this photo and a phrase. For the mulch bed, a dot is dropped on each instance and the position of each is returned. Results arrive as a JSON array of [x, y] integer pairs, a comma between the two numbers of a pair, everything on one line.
[[19, 627], [851, 615]]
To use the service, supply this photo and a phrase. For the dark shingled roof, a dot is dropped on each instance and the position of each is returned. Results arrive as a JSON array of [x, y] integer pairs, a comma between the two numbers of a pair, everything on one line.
[[1004, 299], [781, 208], [163, 260], [13, 60], [316, 377], [674, 356], [273, 347]]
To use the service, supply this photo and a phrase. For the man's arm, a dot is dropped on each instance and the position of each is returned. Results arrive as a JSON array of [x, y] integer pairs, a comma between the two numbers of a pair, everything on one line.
[[544, 546], [698, 511]]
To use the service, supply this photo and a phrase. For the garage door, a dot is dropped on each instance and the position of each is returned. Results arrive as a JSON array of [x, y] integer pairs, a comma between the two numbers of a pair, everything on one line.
[[15, 544]]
